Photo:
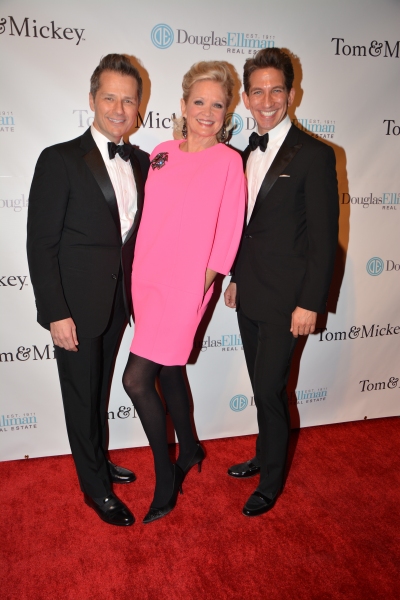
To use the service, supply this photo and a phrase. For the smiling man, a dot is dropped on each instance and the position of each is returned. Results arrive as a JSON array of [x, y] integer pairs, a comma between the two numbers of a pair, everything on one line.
[[85, 205], [285, 263]]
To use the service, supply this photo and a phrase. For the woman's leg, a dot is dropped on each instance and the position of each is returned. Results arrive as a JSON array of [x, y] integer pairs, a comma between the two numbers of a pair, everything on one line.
[[139, 383], [174, 390]]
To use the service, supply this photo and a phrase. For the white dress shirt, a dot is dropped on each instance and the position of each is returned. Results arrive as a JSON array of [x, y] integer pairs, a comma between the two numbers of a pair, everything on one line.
[[259, 162], [123, 182]]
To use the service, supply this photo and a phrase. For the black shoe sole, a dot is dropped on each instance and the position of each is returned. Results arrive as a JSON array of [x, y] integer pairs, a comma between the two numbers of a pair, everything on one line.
[[118, 481], [245, 475], [260, 511], [112, 522]]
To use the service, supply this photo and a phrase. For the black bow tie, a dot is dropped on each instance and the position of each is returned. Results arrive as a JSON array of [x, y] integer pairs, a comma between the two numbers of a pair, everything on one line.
[[124, 150], [258, 141]]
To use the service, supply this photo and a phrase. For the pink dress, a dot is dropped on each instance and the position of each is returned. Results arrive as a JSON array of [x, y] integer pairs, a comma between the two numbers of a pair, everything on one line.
[[192, 220]]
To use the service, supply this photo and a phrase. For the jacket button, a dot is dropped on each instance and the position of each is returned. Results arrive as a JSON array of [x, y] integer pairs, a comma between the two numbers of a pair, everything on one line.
[[248, 236], [114, 276]]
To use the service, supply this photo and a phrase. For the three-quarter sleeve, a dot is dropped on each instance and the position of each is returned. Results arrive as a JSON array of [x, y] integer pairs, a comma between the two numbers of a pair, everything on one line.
[[230, 221]]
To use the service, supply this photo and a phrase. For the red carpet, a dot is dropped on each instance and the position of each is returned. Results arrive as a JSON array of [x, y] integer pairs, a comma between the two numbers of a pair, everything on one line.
[[333, 534]]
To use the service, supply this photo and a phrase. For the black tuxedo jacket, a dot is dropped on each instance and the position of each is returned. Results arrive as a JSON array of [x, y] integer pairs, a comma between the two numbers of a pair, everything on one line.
[[288, 248], [74, 243]]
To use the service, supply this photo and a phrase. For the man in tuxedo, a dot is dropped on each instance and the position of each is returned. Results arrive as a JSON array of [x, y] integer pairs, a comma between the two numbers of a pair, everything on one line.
[[85, 205], [285, 263]]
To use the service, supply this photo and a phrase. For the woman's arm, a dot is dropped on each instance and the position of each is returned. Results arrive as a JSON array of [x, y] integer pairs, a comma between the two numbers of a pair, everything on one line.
[[210, 276]]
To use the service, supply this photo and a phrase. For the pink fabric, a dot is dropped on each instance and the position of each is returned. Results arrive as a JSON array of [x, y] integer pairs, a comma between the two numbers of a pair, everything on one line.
[[192, 220]]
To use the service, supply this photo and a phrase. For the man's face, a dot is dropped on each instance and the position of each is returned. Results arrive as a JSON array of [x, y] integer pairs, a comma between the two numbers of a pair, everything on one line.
[[268, 98], [115, 105]]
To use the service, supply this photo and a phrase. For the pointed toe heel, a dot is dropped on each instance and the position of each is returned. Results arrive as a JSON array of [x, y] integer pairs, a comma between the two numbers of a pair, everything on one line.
[[157, 513], [197, 459]]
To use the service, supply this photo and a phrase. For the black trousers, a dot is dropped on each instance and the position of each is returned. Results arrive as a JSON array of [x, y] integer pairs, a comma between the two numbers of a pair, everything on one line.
[[85, 379], [268, 349]]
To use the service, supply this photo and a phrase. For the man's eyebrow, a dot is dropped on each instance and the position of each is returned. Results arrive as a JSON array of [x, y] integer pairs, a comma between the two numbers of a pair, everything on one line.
[[113, 94]]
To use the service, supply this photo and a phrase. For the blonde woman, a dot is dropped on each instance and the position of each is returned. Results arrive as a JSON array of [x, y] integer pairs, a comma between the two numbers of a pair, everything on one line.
[[190, 231]]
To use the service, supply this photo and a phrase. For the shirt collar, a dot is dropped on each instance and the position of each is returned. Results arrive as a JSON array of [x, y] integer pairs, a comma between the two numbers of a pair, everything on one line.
[[280, 131], [101, 140]]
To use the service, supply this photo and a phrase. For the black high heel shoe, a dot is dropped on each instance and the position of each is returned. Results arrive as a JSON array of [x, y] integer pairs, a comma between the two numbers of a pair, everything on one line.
[[197, 459], [158, 513]]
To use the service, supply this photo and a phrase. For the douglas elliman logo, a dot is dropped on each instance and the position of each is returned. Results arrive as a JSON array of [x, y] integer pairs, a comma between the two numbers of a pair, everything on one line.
[[162, 36], [376, 266], [238, 403]]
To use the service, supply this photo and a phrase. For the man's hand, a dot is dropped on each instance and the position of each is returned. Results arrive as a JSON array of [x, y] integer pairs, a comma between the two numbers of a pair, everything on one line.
[[230, 295], [64, 334], [303, 321]]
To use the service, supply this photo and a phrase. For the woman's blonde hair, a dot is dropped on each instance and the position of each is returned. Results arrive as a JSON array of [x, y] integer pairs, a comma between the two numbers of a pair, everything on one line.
[[211, 70]]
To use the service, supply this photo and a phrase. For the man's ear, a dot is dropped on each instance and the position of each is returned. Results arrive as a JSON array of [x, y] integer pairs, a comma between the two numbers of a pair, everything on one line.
[[91, 102], [291, 96], [245, 99]]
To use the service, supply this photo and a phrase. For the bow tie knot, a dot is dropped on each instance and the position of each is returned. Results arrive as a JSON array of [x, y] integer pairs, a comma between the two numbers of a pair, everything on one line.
[[124, 150], [258, 141]]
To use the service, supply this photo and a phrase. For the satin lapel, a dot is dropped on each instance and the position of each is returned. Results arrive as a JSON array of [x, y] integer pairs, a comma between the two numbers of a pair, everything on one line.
[[285, 154], [98, 169], [245, 156], [137, 173]]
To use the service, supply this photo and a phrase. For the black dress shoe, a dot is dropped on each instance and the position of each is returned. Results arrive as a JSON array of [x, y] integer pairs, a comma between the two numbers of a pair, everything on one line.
[[111, 510], [157, 513], [246, 469], [258, 504], [120, 474]]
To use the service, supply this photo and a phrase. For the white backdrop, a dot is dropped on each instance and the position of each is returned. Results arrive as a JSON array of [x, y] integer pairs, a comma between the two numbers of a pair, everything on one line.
[[347, 92]]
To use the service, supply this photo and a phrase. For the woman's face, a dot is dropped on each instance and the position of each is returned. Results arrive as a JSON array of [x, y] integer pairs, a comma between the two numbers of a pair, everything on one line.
[[205, 109]]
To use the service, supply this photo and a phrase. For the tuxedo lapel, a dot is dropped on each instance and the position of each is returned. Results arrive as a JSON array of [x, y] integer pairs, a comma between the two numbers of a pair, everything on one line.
[[98, 169], [285, 154], [137, 173], [245, 156]]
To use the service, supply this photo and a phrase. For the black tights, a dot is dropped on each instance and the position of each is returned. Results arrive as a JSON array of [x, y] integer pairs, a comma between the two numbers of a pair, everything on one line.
[[139, 382]]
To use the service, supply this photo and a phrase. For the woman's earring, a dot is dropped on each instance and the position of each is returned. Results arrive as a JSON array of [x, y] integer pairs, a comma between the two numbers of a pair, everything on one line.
[[184, 129], [223, 134]]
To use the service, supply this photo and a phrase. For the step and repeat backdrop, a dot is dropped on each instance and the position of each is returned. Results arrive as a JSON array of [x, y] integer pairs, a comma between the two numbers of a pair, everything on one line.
[[347, 93]]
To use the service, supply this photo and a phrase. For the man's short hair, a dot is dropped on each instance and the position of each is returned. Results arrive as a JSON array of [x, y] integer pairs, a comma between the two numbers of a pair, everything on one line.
[[118, 63], [269, 57]]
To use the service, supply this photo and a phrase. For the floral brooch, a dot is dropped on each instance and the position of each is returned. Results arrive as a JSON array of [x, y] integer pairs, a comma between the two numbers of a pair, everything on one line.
[[159, 160]]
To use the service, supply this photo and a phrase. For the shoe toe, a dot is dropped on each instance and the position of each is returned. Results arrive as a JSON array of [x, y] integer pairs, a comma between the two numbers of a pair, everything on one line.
[[258, 504], [246, 469], [123, 517], [154, 514], [120, 474]]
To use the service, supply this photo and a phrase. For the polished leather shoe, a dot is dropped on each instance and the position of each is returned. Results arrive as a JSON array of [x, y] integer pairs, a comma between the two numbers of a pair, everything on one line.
[[258, 504], [156, 513], [111, 510], [246, 469], [120, 474]]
